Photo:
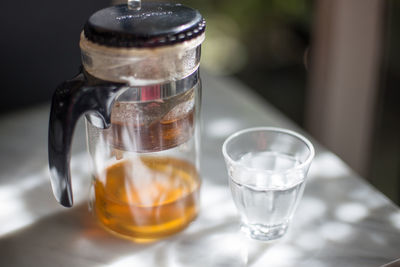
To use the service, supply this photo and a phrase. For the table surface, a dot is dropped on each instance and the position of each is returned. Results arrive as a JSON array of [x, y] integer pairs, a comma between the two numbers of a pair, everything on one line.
[[341, 220]]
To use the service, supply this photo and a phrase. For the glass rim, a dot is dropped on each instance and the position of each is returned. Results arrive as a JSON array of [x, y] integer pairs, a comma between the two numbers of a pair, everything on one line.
[[270, 129]]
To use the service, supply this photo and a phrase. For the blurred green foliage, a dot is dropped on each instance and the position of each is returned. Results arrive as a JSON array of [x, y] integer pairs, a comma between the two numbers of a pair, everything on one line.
[[255, 14], [263, 42]]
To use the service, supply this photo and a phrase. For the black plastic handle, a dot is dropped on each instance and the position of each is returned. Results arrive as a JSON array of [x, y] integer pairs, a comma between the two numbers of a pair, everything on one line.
[[72, 99]]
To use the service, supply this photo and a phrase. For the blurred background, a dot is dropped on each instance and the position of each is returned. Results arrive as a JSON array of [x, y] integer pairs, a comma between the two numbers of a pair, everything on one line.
[[333, 67]]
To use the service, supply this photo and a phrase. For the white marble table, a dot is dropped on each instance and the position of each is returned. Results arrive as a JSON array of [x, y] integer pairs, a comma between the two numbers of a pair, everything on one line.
[[341, 221]]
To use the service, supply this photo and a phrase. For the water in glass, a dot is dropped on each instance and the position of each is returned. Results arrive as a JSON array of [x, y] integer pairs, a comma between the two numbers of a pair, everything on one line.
[[267, 195]]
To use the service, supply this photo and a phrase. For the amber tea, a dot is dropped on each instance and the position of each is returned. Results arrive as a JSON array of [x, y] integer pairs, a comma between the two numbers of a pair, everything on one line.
[[147, 197]]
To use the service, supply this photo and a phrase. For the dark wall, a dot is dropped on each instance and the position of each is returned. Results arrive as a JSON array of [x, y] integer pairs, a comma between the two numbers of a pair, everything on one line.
[[39, 47], [385, 155]]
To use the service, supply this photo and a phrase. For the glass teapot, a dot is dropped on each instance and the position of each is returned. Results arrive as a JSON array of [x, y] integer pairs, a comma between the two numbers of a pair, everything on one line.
[[139, 89]]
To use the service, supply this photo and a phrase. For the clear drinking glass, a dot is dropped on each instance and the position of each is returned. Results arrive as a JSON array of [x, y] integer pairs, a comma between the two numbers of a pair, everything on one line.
[[267, 169]]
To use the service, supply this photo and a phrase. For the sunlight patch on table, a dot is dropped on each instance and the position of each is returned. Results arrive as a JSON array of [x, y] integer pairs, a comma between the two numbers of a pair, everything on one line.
[[134, 260], [309, 241], [328, 166], [222, 127], [310, 209], [351, 212], [216, 202], [29, 199], [217, 249], [336, 231], [395, 219], [364, 194], [279, 255], [13, 216]]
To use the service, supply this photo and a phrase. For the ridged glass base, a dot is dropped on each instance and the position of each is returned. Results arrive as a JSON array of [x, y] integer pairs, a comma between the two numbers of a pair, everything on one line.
[[264, 232]]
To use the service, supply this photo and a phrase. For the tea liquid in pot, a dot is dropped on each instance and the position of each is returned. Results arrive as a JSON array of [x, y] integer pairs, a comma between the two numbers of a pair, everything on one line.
[[147, 198]]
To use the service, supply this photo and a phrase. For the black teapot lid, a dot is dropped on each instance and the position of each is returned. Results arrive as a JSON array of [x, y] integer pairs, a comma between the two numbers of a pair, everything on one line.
[[153, 25]]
